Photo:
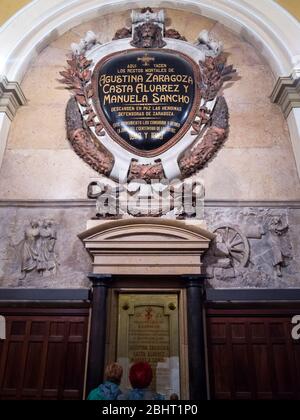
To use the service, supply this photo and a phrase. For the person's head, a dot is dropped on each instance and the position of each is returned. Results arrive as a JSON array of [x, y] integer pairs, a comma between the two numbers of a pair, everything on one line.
[[34, 223], [140, 375], [49, 222], [174, 397], [113, 373]]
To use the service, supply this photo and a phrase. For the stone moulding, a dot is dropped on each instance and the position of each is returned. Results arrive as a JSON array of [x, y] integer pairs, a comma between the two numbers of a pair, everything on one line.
[[146, 246], [286, 94], [11, 97], [87, 203], [261, 21]]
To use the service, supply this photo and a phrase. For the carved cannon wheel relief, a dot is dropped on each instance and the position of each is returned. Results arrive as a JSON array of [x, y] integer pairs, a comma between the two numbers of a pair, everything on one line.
[[234, 243]]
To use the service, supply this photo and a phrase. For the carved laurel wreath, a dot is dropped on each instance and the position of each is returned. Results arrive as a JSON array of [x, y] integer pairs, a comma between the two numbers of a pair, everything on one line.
[[77, 76]]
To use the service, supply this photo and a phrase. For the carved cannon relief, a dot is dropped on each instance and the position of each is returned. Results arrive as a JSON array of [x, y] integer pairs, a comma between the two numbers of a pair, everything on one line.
[[256, 250]]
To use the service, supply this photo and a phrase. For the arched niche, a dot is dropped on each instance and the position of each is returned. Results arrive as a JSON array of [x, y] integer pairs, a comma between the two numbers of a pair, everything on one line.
[[265, 24]]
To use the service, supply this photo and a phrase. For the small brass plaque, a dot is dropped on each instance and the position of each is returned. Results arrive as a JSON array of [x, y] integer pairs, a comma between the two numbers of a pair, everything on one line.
[[148, 331]]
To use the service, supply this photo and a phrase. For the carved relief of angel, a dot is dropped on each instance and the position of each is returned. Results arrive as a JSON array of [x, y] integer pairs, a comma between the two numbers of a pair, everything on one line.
[[30, 248], [47, 260], [38, 248]]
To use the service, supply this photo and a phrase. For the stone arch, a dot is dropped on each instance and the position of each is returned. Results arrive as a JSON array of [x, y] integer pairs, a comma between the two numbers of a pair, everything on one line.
[[39, 23], [265, 25]]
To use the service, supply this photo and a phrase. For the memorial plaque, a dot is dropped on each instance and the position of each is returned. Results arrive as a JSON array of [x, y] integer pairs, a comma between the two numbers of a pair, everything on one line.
[[147, 100], [148, 105], [148, 331]]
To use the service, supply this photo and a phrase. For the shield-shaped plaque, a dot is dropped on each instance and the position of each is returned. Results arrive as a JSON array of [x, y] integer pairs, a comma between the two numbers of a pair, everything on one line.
[[147, 99]]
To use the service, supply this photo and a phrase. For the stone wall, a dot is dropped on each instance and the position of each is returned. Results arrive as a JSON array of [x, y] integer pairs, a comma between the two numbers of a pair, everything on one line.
[[257, 162], [73, 262], [256, 246]]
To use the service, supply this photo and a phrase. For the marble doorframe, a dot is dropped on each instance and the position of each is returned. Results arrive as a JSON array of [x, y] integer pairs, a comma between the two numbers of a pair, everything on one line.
[[193, 363], [164, 253], [113, 299]]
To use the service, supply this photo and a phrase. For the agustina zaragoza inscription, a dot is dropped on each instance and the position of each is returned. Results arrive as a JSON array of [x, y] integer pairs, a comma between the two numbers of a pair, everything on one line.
[[146, 99], [147, 105]]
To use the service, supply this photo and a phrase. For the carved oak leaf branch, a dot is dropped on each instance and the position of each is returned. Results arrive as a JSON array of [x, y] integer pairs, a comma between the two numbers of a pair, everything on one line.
[[83, 142], [197, 157], [205, 151], [77, 77], [214, 72]]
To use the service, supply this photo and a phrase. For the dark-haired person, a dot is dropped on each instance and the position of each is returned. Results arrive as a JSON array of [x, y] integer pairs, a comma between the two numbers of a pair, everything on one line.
[[140, 376], [110, 389]]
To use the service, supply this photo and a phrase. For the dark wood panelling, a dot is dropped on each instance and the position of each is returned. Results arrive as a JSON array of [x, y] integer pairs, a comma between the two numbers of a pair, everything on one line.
[[55, 295], [44, 354], [251, 352]]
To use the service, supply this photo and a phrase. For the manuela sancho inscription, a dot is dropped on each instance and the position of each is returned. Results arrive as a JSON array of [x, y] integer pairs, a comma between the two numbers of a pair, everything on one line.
[[147, 98], [148, 105]]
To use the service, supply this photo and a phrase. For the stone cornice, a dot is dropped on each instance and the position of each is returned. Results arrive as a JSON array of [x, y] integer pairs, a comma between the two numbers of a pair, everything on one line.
[[286, 94], [86, 203], [11, 97]]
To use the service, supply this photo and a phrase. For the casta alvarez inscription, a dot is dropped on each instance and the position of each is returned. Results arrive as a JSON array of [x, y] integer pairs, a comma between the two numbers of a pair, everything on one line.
[[146, 100], [141, 107]]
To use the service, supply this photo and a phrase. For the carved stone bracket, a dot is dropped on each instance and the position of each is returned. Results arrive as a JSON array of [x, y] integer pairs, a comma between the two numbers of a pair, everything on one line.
[[286, 94], [11, 97]]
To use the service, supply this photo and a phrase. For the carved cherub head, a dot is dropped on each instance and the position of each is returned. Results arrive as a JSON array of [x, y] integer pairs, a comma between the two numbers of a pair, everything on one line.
[[34, 223], [148, 35], [49, 223]]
